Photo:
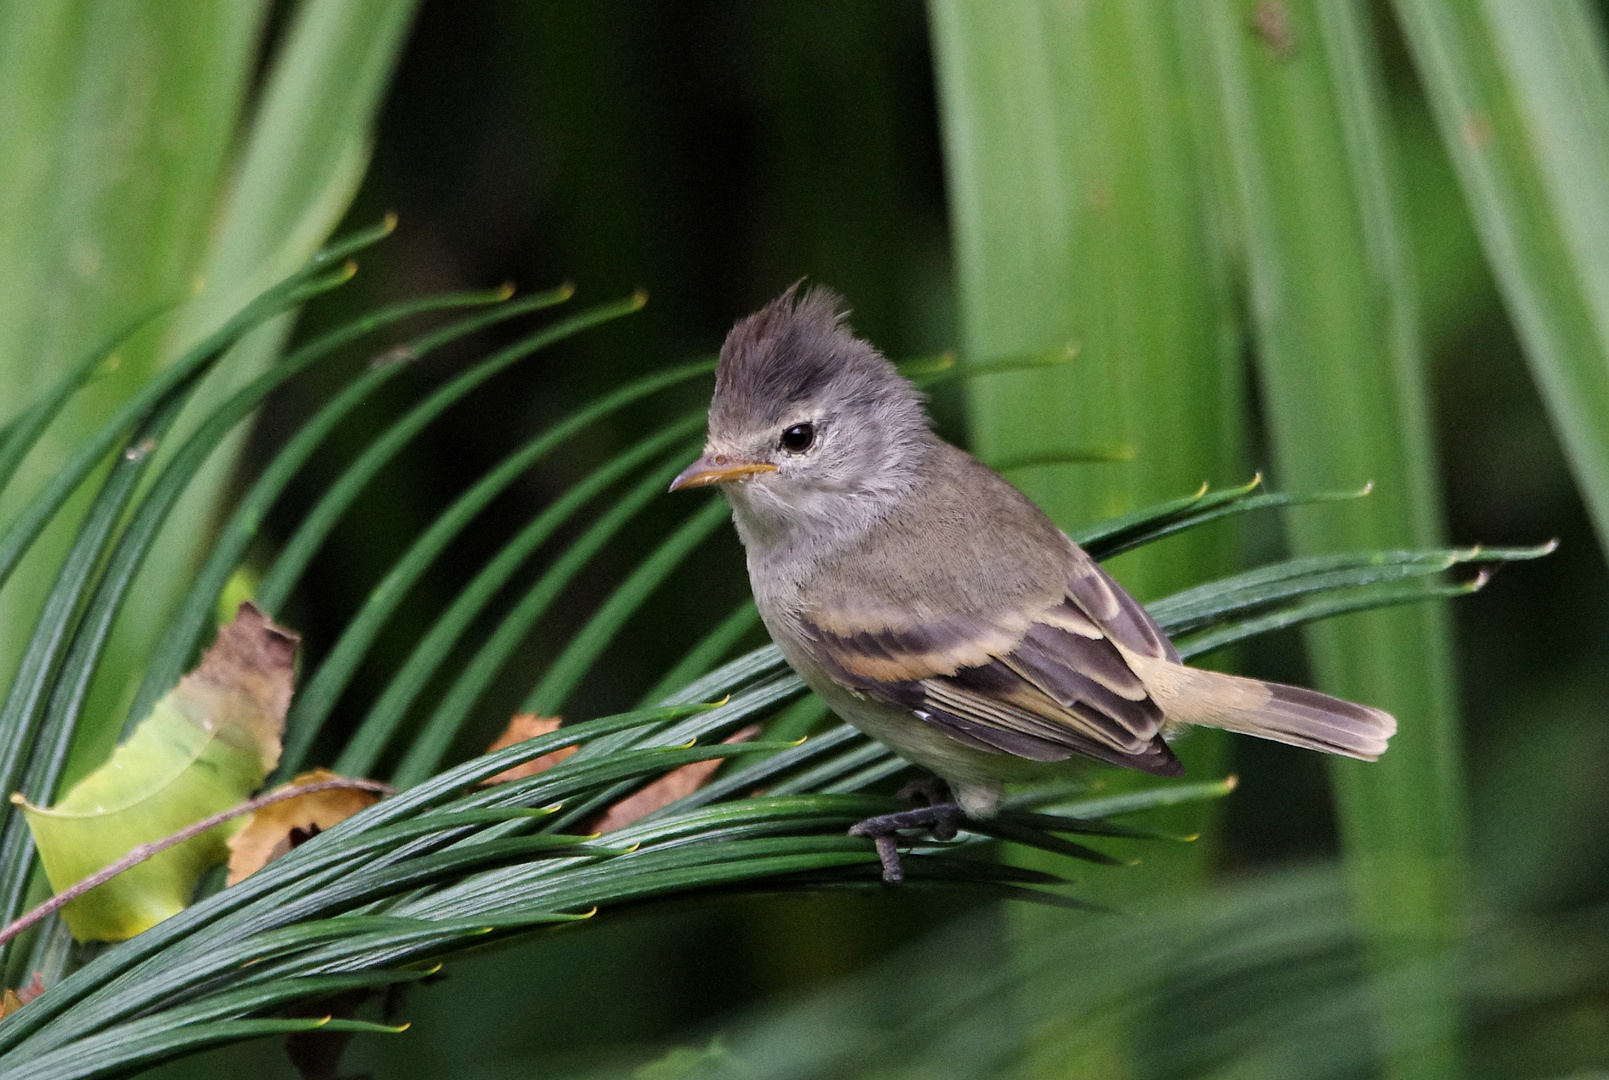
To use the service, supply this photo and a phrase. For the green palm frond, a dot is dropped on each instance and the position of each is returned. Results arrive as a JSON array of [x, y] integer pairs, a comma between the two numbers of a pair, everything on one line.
[[1261, 977], [446, 865]]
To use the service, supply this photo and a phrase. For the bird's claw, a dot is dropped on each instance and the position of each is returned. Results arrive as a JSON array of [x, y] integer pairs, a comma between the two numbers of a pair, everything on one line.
[[942, 820]]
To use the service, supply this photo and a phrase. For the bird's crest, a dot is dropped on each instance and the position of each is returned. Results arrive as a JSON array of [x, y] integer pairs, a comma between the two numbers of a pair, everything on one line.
[[796, 349]]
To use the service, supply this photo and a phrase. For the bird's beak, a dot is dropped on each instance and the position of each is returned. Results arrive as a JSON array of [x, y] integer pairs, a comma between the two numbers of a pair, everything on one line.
[[718, 469]]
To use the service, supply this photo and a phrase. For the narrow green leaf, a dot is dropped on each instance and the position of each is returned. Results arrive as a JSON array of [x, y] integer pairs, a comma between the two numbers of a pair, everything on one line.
[[318, 697], [117, 1050], [195, 611], [21, 713], [433, 648], [1136, 529], [304, 543], [436, 737], [20, 436], [761, 663], [707, 652], [584, 649], [1215, 602], [1147, 799], [826, 772], [20, 534], [1308, 611]]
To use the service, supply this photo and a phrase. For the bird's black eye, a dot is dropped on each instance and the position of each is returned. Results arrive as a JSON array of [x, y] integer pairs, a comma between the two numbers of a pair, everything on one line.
[[797, 439]]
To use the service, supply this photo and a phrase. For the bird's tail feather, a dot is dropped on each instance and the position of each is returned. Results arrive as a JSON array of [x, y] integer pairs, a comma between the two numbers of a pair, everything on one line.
[[1287, 714]]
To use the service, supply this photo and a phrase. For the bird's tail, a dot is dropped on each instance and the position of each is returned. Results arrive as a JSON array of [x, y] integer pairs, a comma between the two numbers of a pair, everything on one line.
[[1287, 714]]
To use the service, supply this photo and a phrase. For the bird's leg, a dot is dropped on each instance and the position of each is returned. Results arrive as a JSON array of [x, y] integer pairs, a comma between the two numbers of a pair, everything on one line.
[[941, 817]]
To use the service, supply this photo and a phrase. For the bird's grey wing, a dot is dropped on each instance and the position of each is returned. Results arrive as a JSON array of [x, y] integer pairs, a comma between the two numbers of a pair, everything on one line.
[[1113, 610], [1043, 685]]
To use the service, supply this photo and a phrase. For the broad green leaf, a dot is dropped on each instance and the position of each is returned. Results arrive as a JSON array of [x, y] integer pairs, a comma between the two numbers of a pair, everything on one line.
[[1332, 298], [1082, 209], [301, 155], [118, 121], [206, 746], [1081, 218], [1520, 92]]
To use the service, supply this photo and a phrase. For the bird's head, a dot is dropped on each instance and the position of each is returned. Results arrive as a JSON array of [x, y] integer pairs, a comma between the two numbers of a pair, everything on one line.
[[809, 425]]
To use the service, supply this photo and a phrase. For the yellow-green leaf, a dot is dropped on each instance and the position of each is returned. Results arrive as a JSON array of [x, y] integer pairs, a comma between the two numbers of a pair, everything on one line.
[[207, 745]]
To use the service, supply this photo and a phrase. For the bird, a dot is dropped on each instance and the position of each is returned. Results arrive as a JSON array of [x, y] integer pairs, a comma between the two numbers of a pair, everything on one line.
[[935, 607]]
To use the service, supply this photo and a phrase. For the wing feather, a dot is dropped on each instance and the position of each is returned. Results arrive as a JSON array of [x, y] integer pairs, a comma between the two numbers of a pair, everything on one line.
[[1116, 613], [1027, 659]]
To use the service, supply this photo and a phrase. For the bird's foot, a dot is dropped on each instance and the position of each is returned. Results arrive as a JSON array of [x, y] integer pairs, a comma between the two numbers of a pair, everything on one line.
[[942, 818]]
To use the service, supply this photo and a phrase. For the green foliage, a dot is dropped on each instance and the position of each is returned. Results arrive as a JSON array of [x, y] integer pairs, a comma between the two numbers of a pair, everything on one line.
[[1332, 301], [1082, 221], [1521, 96], [1262, 978], [139, 161], [205, 748], [447, 865], [1143, 196], [1081, 210]]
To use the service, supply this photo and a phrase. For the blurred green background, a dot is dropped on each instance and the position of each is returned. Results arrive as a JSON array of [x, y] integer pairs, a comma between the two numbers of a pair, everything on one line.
[[713, 153]]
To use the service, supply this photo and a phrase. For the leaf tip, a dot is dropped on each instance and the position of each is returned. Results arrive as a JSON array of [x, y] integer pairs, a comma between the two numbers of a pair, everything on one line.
[[639, 299], [388, 224], [566, 290], [505, 291], [1231, 782]]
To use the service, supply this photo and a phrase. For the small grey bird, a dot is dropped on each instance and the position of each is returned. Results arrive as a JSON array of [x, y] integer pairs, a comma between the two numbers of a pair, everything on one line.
[[931, 604]]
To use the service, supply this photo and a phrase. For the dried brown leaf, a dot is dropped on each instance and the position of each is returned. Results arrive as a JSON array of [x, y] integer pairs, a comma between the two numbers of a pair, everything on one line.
[[528, 726], [12, 1000], [674, 785], [274, 829], [244, 683]]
